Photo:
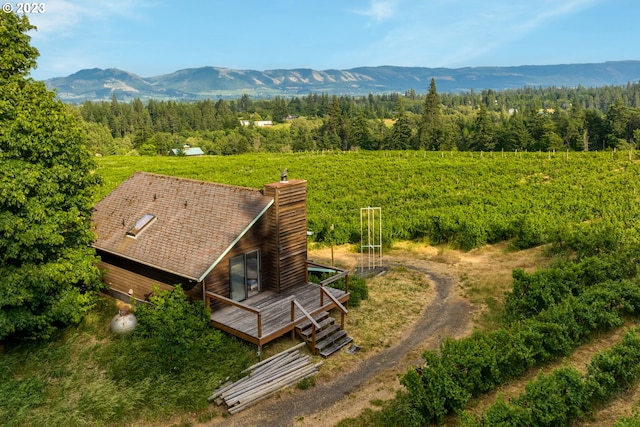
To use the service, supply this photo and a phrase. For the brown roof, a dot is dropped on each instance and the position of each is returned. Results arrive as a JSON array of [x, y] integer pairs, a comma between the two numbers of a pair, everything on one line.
[[195, 224]]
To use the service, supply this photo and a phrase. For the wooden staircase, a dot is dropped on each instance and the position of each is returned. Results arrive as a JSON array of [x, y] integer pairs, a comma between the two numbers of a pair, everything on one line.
[[329, 338]]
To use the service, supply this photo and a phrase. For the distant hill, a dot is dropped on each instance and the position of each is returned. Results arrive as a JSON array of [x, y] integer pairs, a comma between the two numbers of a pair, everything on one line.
[[217, 82]]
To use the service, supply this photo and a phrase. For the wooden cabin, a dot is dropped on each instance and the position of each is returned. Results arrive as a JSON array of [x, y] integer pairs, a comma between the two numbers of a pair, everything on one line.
[[241, 250]]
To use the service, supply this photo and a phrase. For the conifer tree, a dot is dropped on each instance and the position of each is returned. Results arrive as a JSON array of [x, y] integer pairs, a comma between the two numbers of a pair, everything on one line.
[[431, 126]]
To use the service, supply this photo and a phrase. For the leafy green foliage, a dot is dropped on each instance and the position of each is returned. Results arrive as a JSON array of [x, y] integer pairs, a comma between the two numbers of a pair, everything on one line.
[[175, 329], [176, 352], [486, 121], [47, 269], [612, 370], [85, 375], [358, 289], [433, 392], [441, 198], [559, 320], [628, 421], [534, 292], [562, 396], [552, 400]]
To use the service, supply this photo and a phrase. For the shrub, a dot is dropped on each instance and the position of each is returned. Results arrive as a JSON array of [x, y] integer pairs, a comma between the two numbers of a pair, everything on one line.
[[176, 328], [358, 289], [614, 369]]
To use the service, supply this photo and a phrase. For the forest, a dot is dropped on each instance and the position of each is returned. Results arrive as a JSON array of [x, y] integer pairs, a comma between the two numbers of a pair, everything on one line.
[[527, 119]]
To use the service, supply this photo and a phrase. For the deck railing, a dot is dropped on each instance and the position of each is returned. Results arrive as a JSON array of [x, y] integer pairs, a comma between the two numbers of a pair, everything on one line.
[[316, 326], [341, 273], [237, 304], [263, 337]]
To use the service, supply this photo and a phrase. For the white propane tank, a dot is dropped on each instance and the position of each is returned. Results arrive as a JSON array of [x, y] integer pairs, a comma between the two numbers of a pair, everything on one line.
[[123, 322]]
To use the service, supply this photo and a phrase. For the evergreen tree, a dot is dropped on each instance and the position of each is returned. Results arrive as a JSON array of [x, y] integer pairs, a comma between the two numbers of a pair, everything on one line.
[[360, 131], [331, 130], [224, 117], [244, 103], [618, 121], [47, 268], [401, 133], [280, 110], [513, 135], [301, 132], [596, 130], [430, 132], [483, 135]]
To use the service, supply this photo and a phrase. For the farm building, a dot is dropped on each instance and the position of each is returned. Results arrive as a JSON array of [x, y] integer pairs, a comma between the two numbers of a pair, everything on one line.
[[186, 151], [241, 250]]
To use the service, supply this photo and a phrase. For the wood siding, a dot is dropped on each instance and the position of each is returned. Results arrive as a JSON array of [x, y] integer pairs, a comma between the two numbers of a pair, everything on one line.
[[217, 281], [123, 275], [122, 280], [288, 237]]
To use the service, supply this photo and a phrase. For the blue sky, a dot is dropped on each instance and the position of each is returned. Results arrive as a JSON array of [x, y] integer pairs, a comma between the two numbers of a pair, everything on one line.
[[153, 37]]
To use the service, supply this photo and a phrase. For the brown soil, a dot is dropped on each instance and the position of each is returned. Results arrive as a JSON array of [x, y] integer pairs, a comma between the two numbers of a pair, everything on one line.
[[348, 383]]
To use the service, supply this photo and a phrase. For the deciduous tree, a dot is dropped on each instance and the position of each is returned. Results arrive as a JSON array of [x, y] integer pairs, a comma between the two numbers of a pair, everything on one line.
[[47, 267]]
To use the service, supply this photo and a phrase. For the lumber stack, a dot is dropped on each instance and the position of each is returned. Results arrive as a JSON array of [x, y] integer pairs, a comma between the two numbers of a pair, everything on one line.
[[265, 378]]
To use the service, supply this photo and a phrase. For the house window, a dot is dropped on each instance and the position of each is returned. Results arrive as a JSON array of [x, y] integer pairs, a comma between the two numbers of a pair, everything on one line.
[[140, 225]]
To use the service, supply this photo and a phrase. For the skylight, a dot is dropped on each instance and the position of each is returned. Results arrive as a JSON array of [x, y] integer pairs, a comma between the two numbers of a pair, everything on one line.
[[140, 225]]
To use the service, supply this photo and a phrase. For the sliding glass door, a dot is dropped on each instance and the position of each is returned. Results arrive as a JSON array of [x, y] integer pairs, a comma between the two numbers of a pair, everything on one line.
[[245, 275]]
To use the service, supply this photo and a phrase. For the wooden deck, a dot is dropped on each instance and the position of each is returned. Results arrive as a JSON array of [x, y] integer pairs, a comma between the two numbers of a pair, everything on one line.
[[269, 315]]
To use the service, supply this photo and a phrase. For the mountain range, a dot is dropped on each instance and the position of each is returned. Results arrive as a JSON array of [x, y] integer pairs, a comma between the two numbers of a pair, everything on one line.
[[216, 82]]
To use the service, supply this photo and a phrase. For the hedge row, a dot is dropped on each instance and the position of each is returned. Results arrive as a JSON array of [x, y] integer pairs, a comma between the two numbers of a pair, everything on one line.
[[562, 396], [534, 292], [474, 365]]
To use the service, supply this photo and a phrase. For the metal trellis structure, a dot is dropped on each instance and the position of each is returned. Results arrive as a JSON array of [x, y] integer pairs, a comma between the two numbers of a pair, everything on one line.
[[370, 238]]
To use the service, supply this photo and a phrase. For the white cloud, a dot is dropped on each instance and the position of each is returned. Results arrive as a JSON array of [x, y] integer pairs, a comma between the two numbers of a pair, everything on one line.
[[62, 18], [379, 10], [451, 33]]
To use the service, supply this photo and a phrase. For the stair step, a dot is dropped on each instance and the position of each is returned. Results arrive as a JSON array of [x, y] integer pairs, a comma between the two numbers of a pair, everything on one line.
[[324, 324], [307, 323], [336, 346], [329, 340], [326, 332]]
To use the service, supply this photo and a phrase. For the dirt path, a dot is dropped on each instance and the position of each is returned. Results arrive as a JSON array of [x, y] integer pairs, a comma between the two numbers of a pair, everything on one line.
[[447, 314], [459, 286]]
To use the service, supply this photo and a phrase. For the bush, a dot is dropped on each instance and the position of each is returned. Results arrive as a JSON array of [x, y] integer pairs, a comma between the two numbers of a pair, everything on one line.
[[562, 396], [176, 328], [614, 369], [358, 289], [628, 421], [433, 391]]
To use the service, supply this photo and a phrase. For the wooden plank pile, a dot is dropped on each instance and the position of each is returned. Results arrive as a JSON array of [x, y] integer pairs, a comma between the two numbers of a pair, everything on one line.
[[266, 378]]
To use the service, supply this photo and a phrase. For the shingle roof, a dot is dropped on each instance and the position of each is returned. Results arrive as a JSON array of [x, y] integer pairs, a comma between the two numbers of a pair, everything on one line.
[[195, 224]]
